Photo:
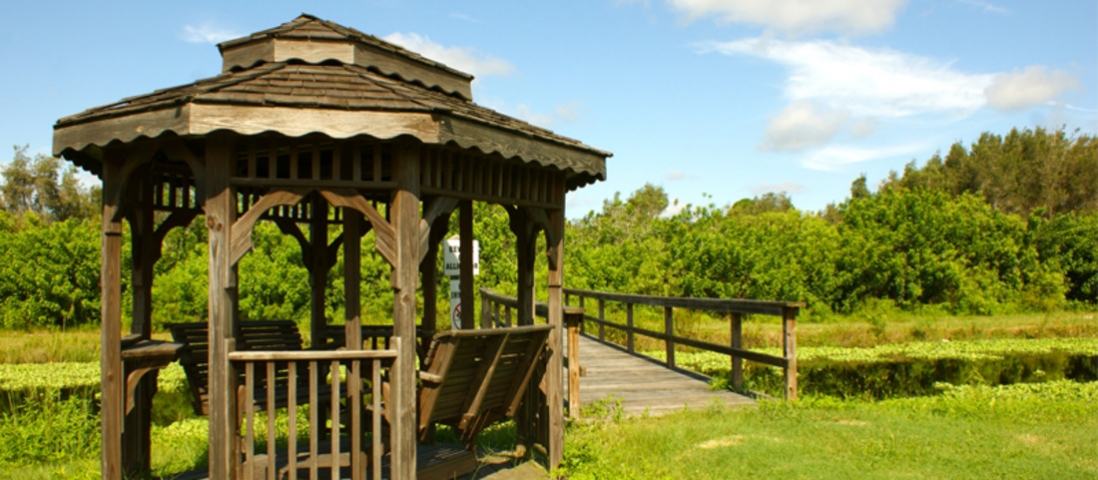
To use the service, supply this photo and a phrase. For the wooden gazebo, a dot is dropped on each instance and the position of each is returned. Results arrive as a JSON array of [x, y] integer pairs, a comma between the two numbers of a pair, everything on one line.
[[312, 123]]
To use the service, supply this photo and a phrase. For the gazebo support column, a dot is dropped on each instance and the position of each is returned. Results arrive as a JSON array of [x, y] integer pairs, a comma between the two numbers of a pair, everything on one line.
[[525, 251], [220, 213], [554, 397], [405, 217], [145, 247], [318, 271], [112, 381], [465, 270]]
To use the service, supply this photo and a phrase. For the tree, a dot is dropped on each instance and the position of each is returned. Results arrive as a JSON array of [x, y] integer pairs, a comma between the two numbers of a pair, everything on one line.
[[40, 186]]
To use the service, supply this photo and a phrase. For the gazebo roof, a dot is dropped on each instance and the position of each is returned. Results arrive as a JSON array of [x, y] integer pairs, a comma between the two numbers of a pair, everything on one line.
[[313, 76]]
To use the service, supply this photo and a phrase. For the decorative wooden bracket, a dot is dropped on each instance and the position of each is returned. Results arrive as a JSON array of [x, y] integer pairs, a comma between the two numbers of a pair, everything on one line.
[[384, 233], [242, 227], [435, 208]]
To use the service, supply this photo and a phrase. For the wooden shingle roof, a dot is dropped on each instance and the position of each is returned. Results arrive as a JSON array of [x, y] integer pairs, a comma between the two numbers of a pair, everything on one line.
[[340, 99]]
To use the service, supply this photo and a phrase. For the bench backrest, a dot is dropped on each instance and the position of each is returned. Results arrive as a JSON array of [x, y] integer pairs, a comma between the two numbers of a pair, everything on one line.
[[473, 378], [254, 335]]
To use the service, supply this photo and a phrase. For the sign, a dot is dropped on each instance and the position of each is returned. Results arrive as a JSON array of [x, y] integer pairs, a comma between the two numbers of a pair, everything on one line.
[[451, 257], [455, 304]]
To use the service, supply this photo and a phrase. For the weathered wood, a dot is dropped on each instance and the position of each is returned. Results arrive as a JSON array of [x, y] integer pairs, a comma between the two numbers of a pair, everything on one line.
[[736, 334], [140, 388], [709, 304], [220, 212], [318, 271], [669, 336], [554, 399], [110, 357], [630, 334], [690, 342], [789, 349], [465, 226], [573, 319], [406, 219], [242, 227]]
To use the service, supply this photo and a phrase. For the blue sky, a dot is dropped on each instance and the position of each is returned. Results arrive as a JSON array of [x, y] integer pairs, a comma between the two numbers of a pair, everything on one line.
[[714, 100]]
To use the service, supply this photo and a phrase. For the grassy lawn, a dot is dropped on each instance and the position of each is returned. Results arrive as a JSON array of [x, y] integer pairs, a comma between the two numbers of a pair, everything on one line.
[[967, 432], [1026, 430]]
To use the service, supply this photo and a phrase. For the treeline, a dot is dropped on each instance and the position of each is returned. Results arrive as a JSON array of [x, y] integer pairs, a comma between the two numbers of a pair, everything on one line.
[[1005, 224]]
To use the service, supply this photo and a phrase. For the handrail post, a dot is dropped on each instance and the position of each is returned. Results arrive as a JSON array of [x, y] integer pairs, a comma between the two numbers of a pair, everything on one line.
[[602, 318], [583, 328], [789, 349], [629, 334], [485, 309], [669, 332], [736, 326], [574, 318]]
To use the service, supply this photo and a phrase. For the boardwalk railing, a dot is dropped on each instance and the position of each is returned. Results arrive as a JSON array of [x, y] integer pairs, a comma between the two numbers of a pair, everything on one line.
[[333, 383], [735, 309], [496, 312]]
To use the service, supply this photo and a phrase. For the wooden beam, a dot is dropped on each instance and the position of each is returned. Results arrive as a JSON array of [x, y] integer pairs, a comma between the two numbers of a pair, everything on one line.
[[220, 212], [242, 227], [113, 396], [145, 249], [406, 226], [318, 271], [554, 396], [465, 229]]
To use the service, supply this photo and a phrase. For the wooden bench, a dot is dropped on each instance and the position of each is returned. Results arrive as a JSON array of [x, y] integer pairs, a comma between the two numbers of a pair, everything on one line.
[[473, 378], [262, 335]]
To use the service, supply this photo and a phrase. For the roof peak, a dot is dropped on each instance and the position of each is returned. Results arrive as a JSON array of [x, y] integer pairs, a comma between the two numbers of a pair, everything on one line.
[[314, 40]]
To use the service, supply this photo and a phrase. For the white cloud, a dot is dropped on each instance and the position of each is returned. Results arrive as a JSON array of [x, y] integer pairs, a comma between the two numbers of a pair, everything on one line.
[[465, 59], [568, 112], [801, 125], [866, 83], [678, 175], [674, 208], [1032, 86], [798, 17], [863, 127], [208, 33], [524, 112], [832, 157], [790, 188], [987, 7]]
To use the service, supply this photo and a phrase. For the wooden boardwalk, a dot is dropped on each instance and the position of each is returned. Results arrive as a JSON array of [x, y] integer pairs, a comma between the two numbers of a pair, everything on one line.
[[644, 385]]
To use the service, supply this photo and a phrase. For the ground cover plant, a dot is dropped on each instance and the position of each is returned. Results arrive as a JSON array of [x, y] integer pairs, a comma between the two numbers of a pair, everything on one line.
[[1046, 430]]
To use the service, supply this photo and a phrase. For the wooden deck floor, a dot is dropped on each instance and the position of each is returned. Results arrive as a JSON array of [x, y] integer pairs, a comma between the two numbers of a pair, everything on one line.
[[644, 385]]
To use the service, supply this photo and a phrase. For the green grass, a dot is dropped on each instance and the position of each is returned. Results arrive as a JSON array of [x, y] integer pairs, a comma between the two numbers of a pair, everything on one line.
[[1023, 431]]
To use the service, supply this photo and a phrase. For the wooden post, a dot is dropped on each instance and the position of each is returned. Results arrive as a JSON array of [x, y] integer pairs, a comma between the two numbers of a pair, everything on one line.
[[789, 349], [112, 382], [352, 329], [602, 318], [630, 336], [405, 216], [318, 271], [429, 272], [736, 326], [525, 250], [144, 249], [553, 395], [669, 330], [573, 317], [465, 226], [220, 214]]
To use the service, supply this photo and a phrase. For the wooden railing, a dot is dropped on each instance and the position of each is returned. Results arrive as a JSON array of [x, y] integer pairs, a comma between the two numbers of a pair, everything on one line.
[[735, 309], [495, 312], [331, 379]]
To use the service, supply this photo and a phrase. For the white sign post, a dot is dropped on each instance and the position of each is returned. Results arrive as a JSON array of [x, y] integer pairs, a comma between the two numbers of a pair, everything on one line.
[[451, 261]]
